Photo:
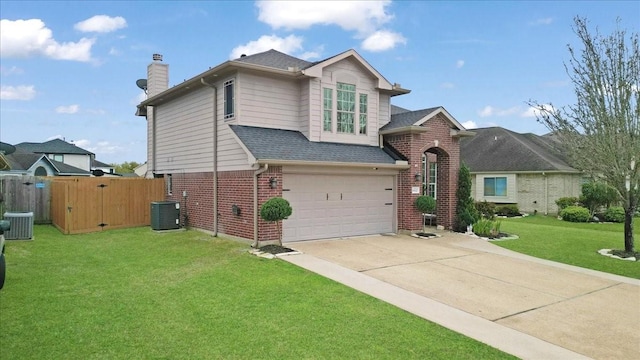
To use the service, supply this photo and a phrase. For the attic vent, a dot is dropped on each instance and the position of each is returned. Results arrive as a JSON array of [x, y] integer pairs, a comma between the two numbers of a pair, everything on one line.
[[243, 55], [157, 57]]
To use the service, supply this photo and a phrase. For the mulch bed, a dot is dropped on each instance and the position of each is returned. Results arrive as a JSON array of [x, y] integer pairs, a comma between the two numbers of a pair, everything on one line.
[[275, 249], [624, 254]]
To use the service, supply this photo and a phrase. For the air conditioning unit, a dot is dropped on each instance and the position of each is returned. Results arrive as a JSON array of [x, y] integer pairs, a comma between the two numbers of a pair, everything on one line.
[[21, 225], [165, 215]]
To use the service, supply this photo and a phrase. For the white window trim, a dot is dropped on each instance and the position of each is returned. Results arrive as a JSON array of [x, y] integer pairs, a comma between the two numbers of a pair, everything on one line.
[[334, 110]]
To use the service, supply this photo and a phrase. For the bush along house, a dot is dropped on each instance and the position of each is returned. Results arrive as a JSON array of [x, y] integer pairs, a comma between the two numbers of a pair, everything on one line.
[[323, 135]]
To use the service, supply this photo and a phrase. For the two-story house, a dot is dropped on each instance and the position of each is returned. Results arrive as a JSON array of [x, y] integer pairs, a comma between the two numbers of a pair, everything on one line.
[[319, 134], [52, 158]]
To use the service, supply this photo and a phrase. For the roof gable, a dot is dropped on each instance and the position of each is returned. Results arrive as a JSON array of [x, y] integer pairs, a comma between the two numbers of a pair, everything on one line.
[[275, 59], [316, 69], [498, 149], [406, 119]]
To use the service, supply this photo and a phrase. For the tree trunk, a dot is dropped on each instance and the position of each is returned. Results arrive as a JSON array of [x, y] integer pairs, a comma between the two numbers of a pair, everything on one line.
[[628, 228]]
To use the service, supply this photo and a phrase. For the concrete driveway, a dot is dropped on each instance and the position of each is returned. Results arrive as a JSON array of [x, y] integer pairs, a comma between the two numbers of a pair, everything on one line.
[[528, 307]]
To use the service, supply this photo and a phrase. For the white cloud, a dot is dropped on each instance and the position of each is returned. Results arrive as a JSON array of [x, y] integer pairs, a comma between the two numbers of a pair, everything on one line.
[[361, 16], [541, 21], [365, 18], [309, 55], [22, 92], [83, 143], [71, 109], [459, 63], [533, 112], [447, 85], [114, 51], [469, 124], [493, 111], [101, 24], [26, 38], [287, 45], [14, 70], [382, 40]]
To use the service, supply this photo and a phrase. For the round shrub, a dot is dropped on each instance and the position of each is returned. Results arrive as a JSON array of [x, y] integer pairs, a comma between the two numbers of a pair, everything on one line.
[[575, 214], [564, 202], [426, 204], [486, 209], [275, 209], [614, 214]]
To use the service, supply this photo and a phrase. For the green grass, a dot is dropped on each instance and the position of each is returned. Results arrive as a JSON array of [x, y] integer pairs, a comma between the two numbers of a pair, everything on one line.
[[571, 243], [137, 294]]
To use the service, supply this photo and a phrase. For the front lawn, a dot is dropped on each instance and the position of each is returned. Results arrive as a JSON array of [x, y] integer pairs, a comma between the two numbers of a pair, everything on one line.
[[135, 293], [571, 243]]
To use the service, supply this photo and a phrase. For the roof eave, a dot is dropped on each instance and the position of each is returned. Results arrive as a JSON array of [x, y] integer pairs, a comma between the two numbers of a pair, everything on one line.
[[399, 165], [412, 129]]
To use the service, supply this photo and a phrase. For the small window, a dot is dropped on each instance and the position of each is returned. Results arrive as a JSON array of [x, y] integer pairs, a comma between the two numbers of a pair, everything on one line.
[[229, 99], [495, 186], [363, 114], [327, 106], [57, 157]]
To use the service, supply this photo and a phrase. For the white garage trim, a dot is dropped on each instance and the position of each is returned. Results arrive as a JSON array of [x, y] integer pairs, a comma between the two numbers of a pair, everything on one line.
[[338, 205]]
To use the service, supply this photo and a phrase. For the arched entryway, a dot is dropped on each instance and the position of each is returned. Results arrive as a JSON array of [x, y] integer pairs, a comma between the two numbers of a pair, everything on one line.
[[436, 170], [40, 171]]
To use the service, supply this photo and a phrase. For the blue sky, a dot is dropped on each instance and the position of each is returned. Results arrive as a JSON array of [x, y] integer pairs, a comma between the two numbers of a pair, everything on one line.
[[68, 69]]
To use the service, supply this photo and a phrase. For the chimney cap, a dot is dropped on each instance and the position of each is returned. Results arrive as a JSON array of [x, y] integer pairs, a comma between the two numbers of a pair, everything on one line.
[[157, 57]]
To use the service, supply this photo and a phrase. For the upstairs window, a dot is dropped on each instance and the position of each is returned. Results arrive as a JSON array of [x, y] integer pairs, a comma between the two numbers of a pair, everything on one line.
[[229, 99], [346, 106], [57, 157], [363, 114], [495, 186], [327, 107]]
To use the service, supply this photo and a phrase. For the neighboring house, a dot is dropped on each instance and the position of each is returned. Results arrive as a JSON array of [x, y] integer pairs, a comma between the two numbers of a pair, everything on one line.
[[61, 151], [322, 135], [524, 169], [105, 168], [141, 170], [18, 162]]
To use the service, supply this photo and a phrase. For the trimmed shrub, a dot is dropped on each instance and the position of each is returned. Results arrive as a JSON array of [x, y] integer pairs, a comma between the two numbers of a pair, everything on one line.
[[563, 202], [575, 214], [508, 210], [486, 209], [425, 204], [274, 210], [466, 213], [596, 195], [614, 214]]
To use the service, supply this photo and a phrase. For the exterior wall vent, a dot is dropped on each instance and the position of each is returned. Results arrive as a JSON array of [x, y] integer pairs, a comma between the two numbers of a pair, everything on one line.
[[21, 225], [165, 215]]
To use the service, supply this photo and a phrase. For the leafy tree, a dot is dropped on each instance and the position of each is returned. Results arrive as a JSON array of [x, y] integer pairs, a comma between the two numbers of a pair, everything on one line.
[[601, 131], [126, 167], [274, 210], [596, 195], [466, 213]]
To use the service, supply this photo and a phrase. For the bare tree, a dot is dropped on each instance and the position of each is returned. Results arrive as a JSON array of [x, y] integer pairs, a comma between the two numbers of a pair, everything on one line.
[[601, 131]]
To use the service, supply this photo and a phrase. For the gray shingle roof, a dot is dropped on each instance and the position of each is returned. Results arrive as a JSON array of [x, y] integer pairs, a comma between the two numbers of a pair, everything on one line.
[[274, 144], [55, 146], [498, 149], [21, 160], [275, 59], [398, 110], [407, 118]]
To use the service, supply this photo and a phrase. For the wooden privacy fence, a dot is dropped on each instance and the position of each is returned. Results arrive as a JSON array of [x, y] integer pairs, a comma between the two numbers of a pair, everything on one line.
[[26, 194], [81, 205]]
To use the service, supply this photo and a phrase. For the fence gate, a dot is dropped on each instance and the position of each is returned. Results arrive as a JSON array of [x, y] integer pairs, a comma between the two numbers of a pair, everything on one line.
[[26, 194], [83, 205]]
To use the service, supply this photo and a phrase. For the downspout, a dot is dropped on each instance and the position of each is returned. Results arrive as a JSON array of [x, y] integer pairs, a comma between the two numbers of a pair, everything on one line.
[[153, 146], [255, 203], [546, 194], [215, 155]]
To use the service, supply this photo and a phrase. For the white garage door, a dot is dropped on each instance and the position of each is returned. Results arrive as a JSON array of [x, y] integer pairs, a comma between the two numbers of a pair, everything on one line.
[[327, 206]]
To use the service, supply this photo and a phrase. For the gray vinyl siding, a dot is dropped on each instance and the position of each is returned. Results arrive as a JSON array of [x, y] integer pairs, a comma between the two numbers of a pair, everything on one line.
[[268, 102], [315, 109], [384, 111], [347, 71], [303, 115]]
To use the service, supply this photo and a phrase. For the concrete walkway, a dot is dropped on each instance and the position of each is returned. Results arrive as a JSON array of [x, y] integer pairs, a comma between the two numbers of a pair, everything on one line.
[[531, 308]]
